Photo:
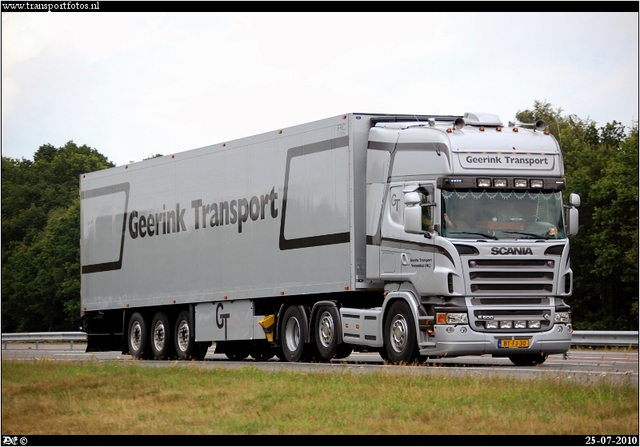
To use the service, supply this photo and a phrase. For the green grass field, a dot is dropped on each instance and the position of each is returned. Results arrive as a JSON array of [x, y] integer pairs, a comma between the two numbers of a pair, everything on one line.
[[51, 397]]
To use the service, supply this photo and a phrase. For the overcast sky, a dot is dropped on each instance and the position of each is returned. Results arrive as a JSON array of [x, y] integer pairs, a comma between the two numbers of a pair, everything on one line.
[[135, 84]]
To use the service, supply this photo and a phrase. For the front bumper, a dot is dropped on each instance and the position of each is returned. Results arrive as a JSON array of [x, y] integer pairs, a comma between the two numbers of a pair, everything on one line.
[[457, 340]]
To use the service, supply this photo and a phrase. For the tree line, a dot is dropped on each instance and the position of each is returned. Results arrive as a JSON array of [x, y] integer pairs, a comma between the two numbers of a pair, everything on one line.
[[41, 226]]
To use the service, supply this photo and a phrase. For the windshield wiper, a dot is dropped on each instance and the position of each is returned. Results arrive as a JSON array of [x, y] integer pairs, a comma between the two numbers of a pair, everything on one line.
[[484, 235], [532, 235]]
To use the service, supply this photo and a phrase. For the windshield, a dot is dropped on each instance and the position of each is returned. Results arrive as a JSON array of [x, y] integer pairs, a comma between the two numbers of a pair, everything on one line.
[[502, 214]]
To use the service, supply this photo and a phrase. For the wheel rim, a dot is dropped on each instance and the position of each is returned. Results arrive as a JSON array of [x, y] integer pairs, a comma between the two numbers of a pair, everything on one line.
[[159, 336], [398, 333], [326, 329], [136, 336], [183, 336], [292, 334]]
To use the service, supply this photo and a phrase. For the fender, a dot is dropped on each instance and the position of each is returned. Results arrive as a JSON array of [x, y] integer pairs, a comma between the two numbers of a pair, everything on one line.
[[412, 300]]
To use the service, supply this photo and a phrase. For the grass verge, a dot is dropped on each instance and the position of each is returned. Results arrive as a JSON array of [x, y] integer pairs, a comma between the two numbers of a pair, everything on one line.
[[50, 397]]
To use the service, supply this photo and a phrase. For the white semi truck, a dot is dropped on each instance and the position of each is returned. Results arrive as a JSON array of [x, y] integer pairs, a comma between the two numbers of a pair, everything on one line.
[[412, 236]]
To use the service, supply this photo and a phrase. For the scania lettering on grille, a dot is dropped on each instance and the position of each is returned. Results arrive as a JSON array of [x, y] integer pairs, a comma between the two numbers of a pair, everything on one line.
[[511, 251]]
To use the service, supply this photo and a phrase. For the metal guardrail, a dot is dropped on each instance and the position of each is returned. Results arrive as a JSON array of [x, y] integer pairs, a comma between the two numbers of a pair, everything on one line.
[[37, 337], [579, 338], [604, 338]]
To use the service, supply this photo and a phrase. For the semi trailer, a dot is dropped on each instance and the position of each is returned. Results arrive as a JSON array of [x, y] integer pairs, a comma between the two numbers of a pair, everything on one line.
[[415, 236]]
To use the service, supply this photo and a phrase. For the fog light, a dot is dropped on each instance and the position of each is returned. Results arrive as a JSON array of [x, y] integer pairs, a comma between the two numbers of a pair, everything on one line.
[[491, 325], [534, 324], [505, 325], [520, 325]]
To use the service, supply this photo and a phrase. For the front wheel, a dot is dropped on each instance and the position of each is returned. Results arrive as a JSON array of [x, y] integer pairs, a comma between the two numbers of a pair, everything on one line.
[[528, 359], [400, 334]]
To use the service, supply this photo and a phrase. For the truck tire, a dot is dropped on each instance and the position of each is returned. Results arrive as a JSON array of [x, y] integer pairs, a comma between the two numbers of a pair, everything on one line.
[[400, 334], [528, 359], [327, 326], [184, 338], [294, 332], [138, 337], [161, 337]]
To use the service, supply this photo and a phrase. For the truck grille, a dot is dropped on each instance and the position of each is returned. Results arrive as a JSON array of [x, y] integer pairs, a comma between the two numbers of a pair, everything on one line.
[[510, 276]]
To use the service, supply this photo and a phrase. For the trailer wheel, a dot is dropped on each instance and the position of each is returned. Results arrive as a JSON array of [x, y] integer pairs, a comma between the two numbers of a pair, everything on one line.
[[327, 326], [184, 340], [528, 359], [138, 337], [400, 334], [294, 333], [161, 339]]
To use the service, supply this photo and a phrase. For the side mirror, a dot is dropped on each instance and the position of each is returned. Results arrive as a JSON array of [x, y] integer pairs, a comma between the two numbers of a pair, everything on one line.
[[574, 199], [572, 215], [413, 219], [572, 221]]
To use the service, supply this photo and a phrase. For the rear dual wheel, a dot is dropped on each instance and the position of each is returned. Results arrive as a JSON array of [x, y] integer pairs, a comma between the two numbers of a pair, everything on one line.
[[327, 326], [293, 334]]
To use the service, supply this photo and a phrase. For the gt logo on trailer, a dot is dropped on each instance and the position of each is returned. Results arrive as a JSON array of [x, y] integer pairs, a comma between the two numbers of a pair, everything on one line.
[[221, 319]]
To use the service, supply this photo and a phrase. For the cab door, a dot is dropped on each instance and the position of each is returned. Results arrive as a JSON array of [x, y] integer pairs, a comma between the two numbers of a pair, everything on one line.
[[405, 256], [392, 234], [417, 250]]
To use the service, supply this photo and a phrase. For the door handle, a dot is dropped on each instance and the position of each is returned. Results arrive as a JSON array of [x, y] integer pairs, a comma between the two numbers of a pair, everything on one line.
[[404, 259]]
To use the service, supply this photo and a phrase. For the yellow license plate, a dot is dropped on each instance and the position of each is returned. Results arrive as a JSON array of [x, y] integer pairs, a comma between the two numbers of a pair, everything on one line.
[[513, 343]]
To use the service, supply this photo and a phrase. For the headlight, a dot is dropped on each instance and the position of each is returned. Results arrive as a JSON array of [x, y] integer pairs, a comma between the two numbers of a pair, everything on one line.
[[563, 317], [452, 318], [491, 325], [505, 325], [534, 324]]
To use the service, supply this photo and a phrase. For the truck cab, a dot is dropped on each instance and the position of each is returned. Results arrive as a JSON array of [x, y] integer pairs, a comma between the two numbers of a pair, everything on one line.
[[473, 232]]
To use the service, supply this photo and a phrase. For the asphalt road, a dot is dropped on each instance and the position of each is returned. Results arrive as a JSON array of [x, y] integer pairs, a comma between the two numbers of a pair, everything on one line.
[[612, 366]]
